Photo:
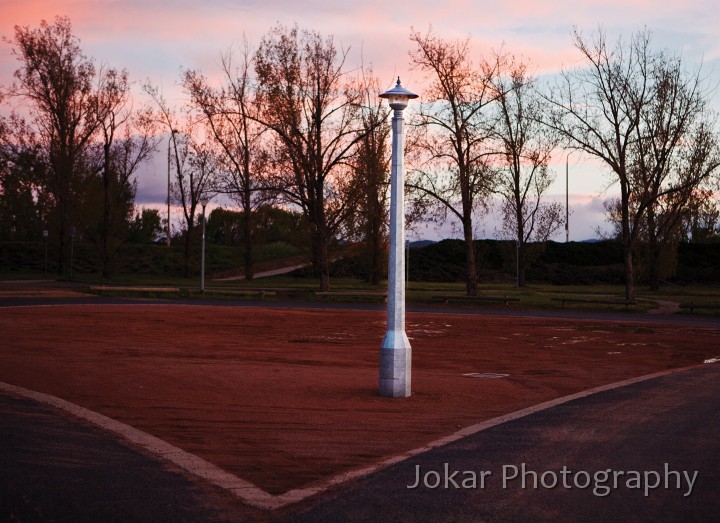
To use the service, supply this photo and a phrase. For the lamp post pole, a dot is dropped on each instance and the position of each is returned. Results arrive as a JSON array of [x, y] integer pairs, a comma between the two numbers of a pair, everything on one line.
[[203, 201], [567, 197], [395, 350]]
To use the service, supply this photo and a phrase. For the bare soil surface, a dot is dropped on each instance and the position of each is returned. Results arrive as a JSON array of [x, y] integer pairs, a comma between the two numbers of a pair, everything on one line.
[[284, 398]]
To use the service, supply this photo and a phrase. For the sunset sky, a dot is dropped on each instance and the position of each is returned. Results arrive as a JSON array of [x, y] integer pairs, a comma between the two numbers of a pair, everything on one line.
[[154, 40]]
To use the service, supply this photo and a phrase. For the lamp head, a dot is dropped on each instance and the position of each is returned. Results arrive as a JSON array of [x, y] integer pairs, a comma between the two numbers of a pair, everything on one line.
[[398, 96]]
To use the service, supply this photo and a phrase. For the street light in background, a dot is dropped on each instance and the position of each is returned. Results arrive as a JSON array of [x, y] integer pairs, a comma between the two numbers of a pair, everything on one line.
[[170, 141], [203, 201], [567, 197], [395, 350]]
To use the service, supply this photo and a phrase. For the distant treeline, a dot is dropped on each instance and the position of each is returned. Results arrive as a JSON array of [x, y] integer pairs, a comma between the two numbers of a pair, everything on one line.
[[573, 263]]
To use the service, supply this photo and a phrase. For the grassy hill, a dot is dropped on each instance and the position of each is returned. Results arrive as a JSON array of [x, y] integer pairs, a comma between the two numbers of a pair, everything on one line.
[[574, 263]]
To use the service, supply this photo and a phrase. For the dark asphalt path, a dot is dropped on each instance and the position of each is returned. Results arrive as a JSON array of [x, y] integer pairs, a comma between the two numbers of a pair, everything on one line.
[[674, 319], [55, 468], [673, 419], [79, 287]]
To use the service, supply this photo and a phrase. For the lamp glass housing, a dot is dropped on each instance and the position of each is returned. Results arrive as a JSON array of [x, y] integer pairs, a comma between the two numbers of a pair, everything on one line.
[[398, 96]]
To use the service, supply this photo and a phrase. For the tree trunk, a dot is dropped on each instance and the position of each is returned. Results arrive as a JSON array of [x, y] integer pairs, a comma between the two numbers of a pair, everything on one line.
[[628, 244], [321, 259], [248, 256], [654, 252], [63, 215], [375, 256], [520, 229], [248, 250], [521, 281], [629, 273], [470, 263], [325, 274], [62, 247], [373, 228], [105, 231], [323, 263], [188, 245], [654, 266]]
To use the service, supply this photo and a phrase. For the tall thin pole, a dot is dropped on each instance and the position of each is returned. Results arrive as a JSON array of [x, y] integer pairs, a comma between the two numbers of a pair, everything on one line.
[[567, 197], [396, 353], [168, 199], [202, 255], [395, 350]]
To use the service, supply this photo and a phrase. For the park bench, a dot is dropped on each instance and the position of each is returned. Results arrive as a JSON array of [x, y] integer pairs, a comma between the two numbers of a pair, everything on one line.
[[351, 294], [476, 299], [101, 289], [260, 293], [284, 292], [693, 306], [565, 300]]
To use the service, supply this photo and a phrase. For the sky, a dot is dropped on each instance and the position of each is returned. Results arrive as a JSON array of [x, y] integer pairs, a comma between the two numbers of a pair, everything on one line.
[[156, 39]]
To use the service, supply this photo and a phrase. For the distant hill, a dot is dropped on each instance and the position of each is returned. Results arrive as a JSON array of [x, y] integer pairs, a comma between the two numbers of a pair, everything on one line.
[[419, 244]]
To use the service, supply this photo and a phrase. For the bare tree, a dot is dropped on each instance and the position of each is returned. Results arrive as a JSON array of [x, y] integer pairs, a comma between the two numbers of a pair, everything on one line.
[[312, 113], [677, 154], [231, 114], [525, 147], [195, 161], [127, 139], [632, 108], [68, 101], [702, 223], [368, 224], [690, 172], [452, 168], [24, 199]]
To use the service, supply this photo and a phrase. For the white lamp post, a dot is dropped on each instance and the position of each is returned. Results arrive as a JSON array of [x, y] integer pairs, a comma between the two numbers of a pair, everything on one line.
[[203, 201], [395, 351]]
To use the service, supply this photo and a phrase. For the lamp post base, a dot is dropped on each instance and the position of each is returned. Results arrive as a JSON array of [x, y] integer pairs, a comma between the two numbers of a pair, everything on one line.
[[395, 358]]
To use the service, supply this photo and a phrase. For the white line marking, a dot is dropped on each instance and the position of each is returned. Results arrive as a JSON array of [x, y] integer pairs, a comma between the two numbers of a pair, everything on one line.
[[244, 490], [255, 496]]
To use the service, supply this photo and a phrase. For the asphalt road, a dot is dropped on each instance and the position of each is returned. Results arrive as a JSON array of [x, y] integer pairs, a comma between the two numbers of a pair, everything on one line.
[[8, 299], [573, 456], [612, 456], [56, 468]]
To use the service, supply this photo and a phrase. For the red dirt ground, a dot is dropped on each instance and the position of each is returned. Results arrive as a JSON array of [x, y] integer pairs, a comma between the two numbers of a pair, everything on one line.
[[284, 398]]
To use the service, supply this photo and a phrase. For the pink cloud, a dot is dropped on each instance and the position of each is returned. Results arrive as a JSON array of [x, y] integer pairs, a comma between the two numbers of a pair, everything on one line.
[[154, 39]]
